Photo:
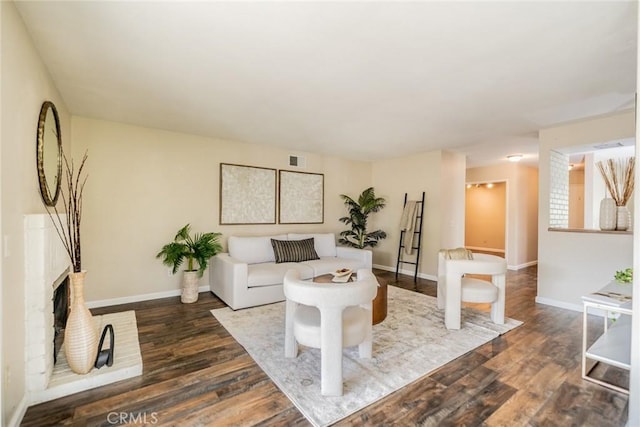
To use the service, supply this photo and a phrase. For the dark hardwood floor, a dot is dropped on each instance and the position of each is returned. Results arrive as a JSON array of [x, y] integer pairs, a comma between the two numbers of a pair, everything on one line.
[[195, 374]]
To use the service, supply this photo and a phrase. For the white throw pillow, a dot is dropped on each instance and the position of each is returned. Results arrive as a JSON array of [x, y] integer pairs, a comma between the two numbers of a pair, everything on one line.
[[253, 250], [324, 244]]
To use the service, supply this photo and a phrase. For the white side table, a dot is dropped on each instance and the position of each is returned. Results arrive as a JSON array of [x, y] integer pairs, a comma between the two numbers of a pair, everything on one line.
[[613, 347]]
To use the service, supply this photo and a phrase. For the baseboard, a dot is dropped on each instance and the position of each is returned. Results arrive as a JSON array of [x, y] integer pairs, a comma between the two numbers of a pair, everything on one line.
[[521, 266], [559, 304], [138, 298], [407, 272], [205, 288], [18, 414]]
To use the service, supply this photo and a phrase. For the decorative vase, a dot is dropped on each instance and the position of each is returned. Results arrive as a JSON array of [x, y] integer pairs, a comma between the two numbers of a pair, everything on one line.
[[80, 334], [608, 214], [190, 281], [623, 218]]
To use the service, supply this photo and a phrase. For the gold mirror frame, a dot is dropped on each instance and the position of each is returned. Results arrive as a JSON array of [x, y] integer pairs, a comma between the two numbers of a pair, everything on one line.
[[45, 190]]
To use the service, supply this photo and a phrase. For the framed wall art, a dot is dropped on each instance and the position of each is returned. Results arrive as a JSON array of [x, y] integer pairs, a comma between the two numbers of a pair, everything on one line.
[[301, 197], [247, 194]]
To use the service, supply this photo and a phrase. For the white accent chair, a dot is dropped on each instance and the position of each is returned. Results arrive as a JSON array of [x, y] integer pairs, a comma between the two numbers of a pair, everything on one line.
[[453, 288], [329, 316]]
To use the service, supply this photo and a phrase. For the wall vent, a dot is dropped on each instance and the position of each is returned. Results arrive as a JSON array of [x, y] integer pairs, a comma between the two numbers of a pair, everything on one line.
[[297, 161], [605, 145]]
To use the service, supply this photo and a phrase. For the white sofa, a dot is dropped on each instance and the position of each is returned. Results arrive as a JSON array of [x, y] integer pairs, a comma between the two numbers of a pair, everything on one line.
[[248, 275]]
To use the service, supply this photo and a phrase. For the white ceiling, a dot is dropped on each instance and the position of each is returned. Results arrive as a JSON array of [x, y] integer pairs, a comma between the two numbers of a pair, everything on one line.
[[363, 80]]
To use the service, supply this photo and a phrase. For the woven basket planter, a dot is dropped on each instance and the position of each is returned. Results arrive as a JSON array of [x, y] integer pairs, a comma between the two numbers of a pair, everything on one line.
[[80, 334], [190, 281]]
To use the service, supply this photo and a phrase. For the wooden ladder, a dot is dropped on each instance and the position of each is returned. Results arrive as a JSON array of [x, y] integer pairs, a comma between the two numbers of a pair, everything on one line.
[[417, 233]]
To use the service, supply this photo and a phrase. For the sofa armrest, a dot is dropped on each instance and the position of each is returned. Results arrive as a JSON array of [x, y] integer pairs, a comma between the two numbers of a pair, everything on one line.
[[362, 255], [228, 278]]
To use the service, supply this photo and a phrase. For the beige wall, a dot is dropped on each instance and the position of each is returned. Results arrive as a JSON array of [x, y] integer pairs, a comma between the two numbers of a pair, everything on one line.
[[576, 198], [25, 85], [526, 231], [573, 264], [144, 184], [485, 216], [440, 175], [452, 208], [522, 208]]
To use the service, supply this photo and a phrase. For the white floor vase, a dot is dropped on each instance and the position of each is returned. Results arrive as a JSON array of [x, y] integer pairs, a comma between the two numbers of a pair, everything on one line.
[[80, 334]]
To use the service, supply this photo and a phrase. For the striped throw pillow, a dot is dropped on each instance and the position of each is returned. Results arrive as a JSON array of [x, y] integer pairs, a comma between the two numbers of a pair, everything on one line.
[[294, 250]]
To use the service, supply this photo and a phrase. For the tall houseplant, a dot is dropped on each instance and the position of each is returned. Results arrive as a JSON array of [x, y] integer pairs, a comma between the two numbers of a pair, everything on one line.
[[358, 214], [80, 334], [199, 248]]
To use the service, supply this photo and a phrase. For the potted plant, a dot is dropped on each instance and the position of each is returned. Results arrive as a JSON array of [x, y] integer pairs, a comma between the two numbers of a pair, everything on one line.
[[359, 211], [198, 248], [624, 276], [618, 176]]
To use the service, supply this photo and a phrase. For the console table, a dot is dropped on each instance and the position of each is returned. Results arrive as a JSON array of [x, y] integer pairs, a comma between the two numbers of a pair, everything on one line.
[[613, 347]]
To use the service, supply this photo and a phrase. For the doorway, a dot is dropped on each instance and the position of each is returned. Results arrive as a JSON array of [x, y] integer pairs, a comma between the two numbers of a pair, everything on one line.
[[486, 217]]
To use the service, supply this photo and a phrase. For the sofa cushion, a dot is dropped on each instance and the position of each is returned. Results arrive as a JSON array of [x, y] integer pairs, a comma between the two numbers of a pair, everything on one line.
[[326, 265], [253, 250], [269, 273], [293, 250], [324, 243]]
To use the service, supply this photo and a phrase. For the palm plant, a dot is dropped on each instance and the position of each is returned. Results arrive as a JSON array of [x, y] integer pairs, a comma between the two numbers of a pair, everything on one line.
[[199, 249], [359, 211]]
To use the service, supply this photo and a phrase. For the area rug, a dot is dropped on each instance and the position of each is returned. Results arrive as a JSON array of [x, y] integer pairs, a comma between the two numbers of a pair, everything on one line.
[[410, 343], [127, 361]]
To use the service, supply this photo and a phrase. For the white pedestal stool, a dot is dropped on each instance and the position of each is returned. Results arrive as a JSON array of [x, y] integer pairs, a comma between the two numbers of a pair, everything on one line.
[[329, 316], [453, 288]]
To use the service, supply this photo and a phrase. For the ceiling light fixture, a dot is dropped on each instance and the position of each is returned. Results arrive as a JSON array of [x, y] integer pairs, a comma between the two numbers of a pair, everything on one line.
[[514, 157], [490, 185]]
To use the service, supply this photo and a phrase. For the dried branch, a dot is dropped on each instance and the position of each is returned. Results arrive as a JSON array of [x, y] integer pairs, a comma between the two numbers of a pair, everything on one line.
[[69, 230], [618, 176]]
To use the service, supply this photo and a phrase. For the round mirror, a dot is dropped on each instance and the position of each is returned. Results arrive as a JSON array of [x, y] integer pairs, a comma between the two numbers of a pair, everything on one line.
[[49, 158]]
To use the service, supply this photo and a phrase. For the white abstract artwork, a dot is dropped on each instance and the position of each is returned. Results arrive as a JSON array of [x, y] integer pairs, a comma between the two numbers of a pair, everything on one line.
[[301, 198], [247, 194]]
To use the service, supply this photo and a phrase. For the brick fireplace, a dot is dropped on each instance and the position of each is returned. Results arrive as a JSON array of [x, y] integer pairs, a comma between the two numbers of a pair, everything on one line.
[[46, 267]]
